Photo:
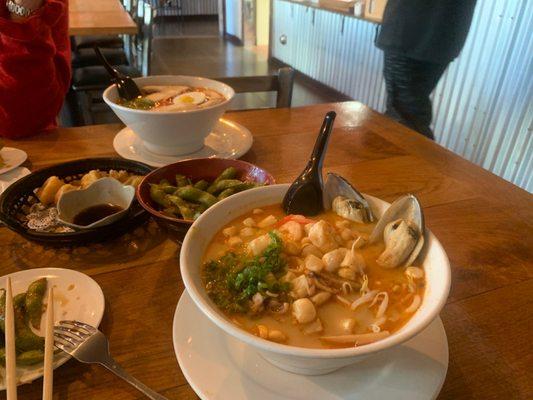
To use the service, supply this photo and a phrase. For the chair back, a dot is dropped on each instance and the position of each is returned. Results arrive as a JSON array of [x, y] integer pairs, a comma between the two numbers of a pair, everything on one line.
[[282, 83]]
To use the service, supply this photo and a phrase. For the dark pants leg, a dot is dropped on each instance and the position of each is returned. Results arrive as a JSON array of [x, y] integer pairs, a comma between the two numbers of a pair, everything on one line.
[[409, 83]]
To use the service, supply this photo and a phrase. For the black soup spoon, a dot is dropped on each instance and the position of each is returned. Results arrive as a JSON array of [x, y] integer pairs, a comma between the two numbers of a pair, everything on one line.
[[127, 88], [305, 194]]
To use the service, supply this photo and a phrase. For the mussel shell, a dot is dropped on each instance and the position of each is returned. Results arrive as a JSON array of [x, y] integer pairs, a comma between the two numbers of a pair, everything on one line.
[[335, 186], [407, 208]]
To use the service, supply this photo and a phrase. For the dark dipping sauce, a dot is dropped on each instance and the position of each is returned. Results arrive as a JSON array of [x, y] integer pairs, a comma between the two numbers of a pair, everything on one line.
[[95, 213]]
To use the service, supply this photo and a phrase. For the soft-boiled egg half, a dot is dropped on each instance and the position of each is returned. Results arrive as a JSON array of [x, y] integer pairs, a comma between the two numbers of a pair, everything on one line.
[[190, 99]]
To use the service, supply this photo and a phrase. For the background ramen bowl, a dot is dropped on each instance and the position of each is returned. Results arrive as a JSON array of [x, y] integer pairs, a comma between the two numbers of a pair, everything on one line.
[[290, 358], [195, 169], [172, 132]]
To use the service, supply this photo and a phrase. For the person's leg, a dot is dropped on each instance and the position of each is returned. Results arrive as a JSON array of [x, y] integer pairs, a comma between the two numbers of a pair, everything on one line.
[[409, 83]]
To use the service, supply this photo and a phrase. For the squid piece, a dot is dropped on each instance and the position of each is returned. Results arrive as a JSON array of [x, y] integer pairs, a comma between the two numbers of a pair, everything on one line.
[[303, 310], [258, 245], [322, 235], [333, 259], [321, 298], [301, 287], [313, 327], [292, 230], [354, 260], [313, 263]]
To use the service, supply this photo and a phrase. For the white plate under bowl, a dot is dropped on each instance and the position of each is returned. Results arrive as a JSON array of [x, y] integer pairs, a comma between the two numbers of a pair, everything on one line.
[[12, 158], [76, 297], [228, 140], [219, 367]]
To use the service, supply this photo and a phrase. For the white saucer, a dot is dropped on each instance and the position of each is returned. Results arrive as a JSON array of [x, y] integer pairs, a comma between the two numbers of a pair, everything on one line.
[[12, 158], [218, 366], [76, 297], [12, 176], [228, 140]]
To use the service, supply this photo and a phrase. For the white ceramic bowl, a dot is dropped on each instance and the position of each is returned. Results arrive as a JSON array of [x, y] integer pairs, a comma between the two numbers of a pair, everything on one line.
[[173, 132], [102, 191], [291, 358]]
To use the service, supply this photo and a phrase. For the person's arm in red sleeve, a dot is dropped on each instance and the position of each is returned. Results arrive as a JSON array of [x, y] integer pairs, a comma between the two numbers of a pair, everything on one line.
[[34, 68]]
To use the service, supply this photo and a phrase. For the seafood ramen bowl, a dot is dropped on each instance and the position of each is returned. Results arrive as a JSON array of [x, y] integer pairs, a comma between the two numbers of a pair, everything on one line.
[[175, 113], [310, 303]]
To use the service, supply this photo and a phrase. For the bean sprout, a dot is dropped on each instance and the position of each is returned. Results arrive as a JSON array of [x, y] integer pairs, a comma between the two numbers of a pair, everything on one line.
[[383, 305], [367, 297], [347, 288], [343, 300], [364, 285], [376, 326], [414, 305]]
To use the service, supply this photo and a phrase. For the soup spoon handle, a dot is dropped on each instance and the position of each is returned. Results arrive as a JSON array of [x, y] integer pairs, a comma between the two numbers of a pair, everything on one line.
[[314, 166], [305, 194], [126, 86], [112, 71]]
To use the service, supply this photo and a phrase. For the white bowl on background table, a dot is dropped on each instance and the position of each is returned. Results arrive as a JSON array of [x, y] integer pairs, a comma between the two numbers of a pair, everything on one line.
[[172, 133], [291, 358]]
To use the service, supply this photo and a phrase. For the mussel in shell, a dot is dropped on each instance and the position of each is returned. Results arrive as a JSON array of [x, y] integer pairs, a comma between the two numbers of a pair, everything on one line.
[[341, 197], [402, 230]]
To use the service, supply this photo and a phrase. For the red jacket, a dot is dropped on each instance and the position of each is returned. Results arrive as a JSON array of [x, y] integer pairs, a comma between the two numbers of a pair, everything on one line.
[[34, 69]]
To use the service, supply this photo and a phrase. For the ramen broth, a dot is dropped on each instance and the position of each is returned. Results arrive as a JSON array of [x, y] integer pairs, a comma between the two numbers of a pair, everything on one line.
[[173, 98], [337, 323]]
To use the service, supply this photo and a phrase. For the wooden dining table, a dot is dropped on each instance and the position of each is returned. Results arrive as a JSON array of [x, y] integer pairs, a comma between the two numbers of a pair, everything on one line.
[[483, 222], [99, 17]]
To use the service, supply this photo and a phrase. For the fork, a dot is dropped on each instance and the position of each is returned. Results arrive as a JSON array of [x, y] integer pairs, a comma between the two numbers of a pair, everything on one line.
[[88, 345]]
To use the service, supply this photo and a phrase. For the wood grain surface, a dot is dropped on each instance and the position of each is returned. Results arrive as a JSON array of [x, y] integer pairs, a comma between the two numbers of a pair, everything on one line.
[[99, 17], [483, 222]]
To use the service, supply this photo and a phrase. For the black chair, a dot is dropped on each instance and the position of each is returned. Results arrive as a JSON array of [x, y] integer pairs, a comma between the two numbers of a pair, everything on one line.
[[88, 84], [282, 84], [87, 57], [86, 42]]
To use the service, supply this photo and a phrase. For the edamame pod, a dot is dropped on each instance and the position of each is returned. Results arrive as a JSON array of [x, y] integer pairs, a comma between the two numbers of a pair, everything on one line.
[[34, 302], [226, 193], [184, 208], [245, 186], [190, 193], [31, 357], [25, 339], [159, 196], [223, 185], [182, 180], [202, 185], [228, 173]]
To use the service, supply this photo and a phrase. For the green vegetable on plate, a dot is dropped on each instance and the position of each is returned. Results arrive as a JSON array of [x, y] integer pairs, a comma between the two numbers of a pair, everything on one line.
[[28, 309]]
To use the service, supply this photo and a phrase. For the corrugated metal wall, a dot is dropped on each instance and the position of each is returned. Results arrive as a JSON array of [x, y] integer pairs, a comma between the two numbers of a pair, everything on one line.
[[188, 7], [199, 7], [483, 105]]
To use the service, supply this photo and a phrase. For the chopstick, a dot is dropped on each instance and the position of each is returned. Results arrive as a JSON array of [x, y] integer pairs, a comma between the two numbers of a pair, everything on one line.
[[11, 355], [48, 382]]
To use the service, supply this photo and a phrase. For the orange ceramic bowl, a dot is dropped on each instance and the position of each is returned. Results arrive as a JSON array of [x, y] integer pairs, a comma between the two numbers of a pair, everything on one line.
[[195, 169]]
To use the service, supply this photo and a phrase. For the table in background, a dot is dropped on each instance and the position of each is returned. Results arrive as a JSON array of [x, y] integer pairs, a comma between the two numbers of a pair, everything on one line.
[[483, 222], [99, 17]]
